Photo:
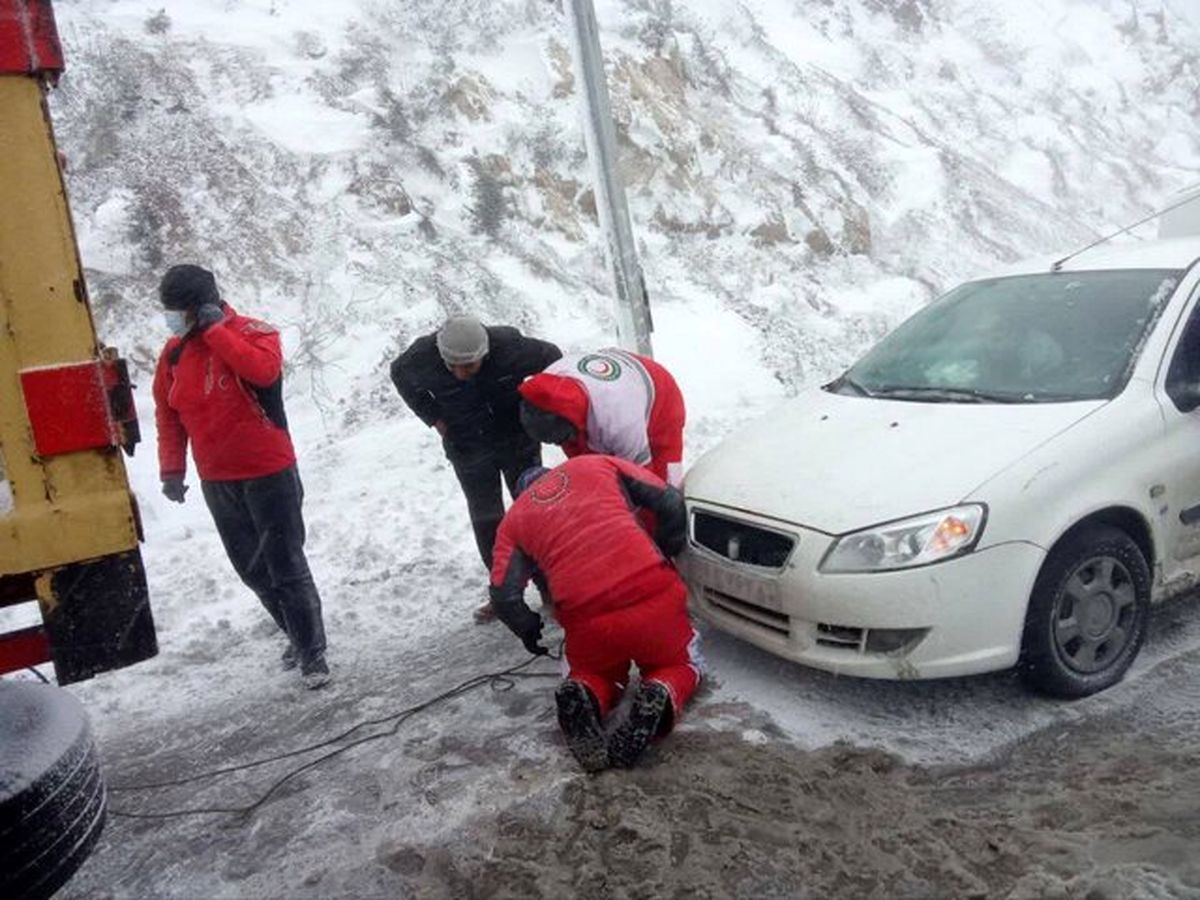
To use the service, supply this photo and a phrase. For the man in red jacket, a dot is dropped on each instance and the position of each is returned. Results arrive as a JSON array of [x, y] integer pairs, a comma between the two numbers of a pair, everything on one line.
[[613, 402], [219, 385], [616, 594]]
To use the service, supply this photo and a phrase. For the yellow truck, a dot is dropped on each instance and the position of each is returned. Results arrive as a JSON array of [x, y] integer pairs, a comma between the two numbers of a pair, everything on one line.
[[69, 528]]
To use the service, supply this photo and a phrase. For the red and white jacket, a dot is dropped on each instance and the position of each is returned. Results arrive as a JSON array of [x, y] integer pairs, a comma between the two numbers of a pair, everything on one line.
[[620, 404], [206, 396]]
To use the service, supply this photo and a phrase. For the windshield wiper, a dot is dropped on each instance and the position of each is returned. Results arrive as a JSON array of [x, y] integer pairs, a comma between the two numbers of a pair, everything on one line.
[[950, 395], [847, 382]]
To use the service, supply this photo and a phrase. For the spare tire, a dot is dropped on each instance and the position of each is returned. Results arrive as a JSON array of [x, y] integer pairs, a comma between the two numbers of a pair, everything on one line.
[[52, 798]]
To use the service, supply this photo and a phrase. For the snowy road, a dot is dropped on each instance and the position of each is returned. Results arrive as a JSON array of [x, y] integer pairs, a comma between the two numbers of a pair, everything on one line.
[[430, 810]]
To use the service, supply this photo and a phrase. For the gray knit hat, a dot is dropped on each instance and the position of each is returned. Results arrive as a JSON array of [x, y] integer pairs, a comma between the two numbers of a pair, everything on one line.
[[462, 340]]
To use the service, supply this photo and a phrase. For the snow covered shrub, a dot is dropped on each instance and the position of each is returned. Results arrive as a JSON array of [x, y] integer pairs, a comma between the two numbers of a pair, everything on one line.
[[159, 23], [490, 206]]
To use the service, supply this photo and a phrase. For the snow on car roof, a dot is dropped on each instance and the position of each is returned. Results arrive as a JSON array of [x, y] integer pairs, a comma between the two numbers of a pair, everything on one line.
[[1178, 253]]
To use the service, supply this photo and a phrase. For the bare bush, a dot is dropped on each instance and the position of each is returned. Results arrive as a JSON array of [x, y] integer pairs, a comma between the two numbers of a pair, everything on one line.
[[310, 45], [159, 23], [393, 121], [490, 206]]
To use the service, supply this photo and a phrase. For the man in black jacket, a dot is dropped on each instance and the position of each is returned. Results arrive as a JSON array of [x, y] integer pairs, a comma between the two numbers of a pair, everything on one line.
[[462, 380]]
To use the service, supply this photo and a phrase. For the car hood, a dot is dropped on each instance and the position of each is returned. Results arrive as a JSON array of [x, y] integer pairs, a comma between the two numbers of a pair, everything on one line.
[[839, 463]]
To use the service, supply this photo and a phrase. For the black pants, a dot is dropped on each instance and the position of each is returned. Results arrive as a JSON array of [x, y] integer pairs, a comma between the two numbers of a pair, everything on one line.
[[262, 528], [479, 472]]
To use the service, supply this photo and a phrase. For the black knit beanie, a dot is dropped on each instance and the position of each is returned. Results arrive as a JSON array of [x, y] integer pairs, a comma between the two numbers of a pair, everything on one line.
[[544, 426], [187, 287]]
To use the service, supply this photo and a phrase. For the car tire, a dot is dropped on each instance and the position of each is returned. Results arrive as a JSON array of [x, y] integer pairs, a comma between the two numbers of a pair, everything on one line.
[[52, 796], [1087, 614]]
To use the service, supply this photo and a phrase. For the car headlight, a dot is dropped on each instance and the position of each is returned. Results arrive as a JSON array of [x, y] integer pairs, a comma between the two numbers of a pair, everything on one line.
[[919, 541]]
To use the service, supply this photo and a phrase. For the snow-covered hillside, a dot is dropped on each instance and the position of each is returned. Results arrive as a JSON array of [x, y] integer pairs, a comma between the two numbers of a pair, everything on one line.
[[801, 174]]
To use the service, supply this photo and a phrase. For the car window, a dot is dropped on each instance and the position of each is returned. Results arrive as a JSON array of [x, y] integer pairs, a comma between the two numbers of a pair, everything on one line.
[[1184, 371], [1029, 338]]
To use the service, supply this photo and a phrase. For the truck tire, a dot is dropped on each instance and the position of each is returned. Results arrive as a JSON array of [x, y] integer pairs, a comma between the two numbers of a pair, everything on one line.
[[52, 797]]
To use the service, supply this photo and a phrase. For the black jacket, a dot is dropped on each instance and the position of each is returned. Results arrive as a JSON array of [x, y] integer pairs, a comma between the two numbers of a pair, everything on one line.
[[483, 411]]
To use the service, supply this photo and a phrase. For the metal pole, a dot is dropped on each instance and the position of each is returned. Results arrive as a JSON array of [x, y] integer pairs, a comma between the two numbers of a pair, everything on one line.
[[632, 305]]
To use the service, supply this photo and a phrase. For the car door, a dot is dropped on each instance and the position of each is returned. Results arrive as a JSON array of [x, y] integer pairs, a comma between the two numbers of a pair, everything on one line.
[[1178, 485]]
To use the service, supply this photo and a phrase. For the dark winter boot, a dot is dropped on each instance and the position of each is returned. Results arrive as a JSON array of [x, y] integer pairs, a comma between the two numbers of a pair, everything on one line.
[[648, 717], [315, 673], [485, 613], [579, 718]]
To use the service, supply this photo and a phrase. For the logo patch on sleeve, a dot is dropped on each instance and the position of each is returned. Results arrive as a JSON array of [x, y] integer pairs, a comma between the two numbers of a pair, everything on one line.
[[600, 367]]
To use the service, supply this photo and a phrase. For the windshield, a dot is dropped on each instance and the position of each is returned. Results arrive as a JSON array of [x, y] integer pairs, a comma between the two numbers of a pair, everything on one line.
[[1025, 339]]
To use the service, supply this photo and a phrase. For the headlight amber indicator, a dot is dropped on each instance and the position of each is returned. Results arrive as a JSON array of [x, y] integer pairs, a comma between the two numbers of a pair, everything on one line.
[[950, 534], [908, 543]]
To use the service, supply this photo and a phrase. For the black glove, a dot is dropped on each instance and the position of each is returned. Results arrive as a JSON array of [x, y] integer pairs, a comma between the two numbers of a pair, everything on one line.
[[531, 635], [208, 314], [519, 619], [670, 539], [174, 489]]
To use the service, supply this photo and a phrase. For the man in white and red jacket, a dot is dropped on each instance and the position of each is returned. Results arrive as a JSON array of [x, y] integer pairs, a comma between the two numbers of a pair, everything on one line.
[[616, 594], [612, 402], [219, 386]]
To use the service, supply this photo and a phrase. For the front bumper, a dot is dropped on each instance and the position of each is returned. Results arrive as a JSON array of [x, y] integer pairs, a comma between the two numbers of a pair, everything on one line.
[[958, 617]]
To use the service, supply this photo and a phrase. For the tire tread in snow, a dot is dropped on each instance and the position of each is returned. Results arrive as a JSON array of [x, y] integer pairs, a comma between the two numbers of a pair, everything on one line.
[[52, 794]]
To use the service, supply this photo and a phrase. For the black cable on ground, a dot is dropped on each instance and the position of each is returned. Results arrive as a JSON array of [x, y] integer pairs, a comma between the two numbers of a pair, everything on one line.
[[42, 677], [499, 681]]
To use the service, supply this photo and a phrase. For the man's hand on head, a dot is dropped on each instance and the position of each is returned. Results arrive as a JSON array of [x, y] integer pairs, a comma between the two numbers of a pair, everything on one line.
[[207, 315]]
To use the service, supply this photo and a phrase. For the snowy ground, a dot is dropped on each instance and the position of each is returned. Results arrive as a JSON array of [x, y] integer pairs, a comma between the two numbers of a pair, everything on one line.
[[769, 788]]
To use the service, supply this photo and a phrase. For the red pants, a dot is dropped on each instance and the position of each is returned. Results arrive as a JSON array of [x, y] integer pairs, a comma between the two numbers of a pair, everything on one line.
[[655, 633]]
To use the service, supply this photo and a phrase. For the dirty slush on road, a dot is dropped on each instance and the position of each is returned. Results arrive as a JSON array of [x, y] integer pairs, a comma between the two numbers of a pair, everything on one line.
[[1098, 806], [1065, 814]]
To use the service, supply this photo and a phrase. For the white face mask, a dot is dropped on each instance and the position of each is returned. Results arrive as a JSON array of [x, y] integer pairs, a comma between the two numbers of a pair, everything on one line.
[[176, 320]]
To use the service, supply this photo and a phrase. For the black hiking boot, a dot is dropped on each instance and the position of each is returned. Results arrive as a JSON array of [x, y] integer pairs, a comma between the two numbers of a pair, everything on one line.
[[289, 660], [647, 719], [579, 719], [315, 673]]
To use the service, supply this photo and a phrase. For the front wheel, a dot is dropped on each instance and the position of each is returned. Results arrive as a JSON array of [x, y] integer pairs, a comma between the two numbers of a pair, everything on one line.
[[1087, 615]]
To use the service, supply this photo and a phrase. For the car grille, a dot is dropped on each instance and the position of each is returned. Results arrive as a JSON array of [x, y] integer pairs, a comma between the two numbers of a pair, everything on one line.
[[774, 622], [741, 542]]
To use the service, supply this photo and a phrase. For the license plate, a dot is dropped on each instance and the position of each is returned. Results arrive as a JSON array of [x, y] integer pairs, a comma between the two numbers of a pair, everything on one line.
[[755, 589]]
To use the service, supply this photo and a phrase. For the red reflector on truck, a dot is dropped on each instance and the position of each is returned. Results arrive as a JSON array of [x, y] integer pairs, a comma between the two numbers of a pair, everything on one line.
[[68, 408], [29, 42]]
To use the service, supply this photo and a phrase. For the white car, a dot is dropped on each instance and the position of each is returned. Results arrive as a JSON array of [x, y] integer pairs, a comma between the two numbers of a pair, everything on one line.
[[1012, 476]]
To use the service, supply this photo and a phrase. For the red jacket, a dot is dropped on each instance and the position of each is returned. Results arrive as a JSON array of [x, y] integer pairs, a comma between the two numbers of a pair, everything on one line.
[[620, 404], [207, 396], [576, 524]]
